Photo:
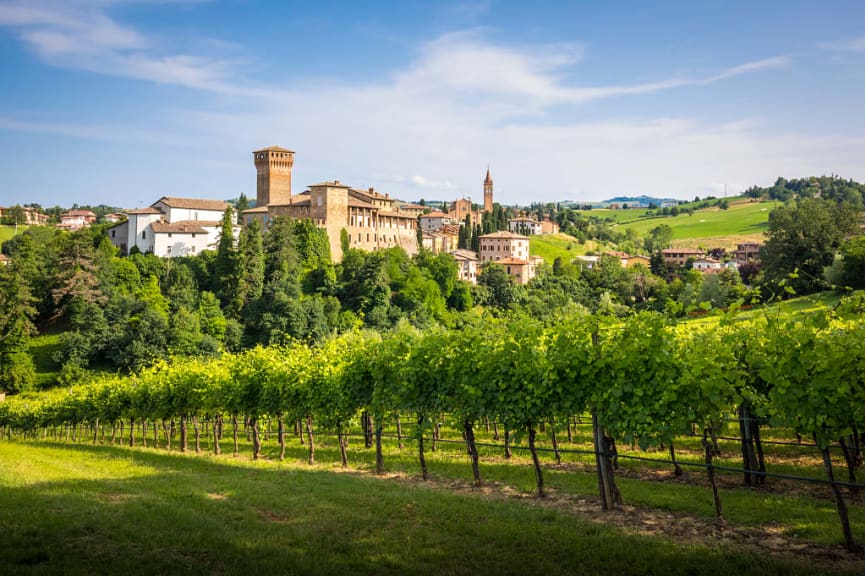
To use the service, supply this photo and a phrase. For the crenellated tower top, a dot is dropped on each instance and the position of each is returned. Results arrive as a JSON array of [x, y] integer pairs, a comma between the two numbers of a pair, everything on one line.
[[273, 166]]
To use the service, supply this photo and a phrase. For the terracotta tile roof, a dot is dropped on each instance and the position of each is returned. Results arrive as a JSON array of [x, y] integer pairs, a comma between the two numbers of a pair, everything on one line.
[[372, 194], [255, 210], [505, 234], [682, 251], [301, 199], [334, 184], [355, 203], [523, 219], [512, 261], [435, 214], [177, 228], [74, 213], [193, 203], [408, 206], [148, 210], [463, 254]]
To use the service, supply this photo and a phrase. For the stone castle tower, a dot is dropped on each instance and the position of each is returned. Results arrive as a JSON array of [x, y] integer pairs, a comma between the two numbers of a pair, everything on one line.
[[273, 165], [488, 192]]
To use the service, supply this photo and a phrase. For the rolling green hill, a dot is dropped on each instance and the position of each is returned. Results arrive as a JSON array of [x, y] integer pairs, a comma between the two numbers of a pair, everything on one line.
[[741, 222], [618, 215], [552, 246]]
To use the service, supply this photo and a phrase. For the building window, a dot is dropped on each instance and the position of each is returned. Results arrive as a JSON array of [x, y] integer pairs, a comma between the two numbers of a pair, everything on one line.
[[169, 235], [193, 234], [144, 235], [112, 233]]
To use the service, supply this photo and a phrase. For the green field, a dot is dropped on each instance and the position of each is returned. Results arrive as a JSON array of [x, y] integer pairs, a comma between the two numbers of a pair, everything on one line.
[[740, 220], [7, 232], [552, 246], [76, 507], [81, 509]]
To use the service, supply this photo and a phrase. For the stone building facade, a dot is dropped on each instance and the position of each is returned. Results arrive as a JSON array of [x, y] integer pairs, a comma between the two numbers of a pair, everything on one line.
[[503, 244], [371, 220]]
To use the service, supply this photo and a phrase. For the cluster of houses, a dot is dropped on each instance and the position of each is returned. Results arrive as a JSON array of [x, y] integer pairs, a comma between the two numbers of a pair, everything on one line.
[[700, 259], [32, 217], [71, 220]]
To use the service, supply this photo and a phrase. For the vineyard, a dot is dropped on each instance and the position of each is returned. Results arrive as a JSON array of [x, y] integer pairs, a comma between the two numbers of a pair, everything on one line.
[[589, 392]]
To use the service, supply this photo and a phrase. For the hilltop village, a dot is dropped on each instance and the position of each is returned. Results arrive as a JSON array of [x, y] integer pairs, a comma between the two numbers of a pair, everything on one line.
[[359, 219], [366, 219]]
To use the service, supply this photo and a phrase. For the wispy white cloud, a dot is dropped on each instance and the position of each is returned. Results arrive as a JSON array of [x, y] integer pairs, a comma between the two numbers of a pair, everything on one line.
[[83, 35], [465, 62], [845, 45], [463, 102]]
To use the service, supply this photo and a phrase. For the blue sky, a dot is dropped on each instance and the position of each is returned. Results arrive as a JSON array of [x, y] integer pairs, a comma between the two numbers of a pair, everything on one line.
[[124, 101]]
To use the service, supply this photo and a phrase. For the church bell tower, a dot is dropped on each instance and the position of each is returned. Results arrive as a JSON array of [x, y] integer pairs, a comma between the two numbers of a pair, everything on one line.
[[488, 192]]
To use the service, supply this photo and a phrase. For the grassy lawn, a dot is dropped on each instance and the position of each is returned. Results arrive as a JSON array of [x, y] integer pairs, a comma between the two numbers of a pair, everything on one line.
[[741, 219], [81, 509], [42, 349], [7, 232], [552, 246]]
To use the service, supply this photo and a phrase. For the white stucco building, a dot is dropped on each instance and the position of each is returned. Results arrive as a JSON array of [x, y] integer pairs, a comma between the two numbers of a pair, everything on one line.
[[171, 227]]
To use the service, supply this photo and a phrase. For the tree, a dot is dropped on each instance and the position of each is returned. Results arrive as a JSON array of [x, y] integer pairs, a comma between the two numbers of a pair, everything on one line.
[[853, 263], [659, 238], [242, 203], [76, 279], [804, 236], [502, 292], [251, 251], [228, 267], [16, 326], [14, 216]]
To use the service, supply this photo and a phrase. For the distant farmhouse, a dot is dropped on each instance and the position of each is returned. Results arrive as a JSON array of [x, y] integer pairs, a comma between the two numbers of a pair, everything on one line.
[[32, 217], [531, 227], [171, 227], [76, 219]]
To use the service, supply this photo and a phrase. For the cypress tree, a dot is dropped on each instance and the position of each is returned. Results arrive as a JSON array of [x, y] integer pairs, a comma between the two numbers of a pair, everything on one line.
[[251, 249], [228, 269]]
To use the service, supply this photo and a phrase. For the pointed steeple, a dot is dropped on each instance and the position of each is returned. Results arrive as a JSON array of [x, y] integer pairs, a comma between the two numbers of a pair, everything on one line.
[[488, 191]]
